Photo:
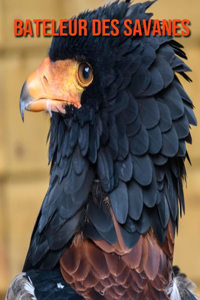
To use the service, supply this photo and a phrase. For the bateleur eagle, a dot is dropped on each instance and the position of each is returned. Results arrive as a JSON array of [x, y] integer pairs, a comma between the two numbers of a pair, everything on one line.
[[120, 120]]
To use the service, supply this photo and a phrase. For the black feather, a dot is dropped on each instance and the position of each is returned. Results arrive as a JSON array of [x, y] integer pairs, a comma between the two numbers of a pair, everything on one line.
[[156, 83], [125, 169], [182, 149], [131, 112], [190, 115], [103, 171], [163, 210], [179, 66], [133, 128], [159, 159], [148, 56], [157, 227], [123, 146], [165, 117], [182, 127], [166, 52], [63, 234], [50, 285], [135, 199], [155, 140], [139, 143], [119, 201], [113, 142], [149, 112], [102, 221], [130, 239], [173, 100], [170, 143], [143, 224], [150, 193], [83, 139], [165, 70], [142, 169], [140, 81]]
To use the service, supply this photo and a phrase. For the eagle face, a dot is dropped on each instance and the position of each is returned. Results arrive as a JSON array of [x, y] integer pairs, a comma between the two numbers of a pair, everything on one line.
[[74, 80]]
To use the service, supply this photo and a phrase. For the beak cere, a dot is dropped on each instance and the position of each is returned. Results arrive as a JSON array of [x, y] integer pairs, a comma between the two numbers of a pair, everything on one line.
[[51, 87]]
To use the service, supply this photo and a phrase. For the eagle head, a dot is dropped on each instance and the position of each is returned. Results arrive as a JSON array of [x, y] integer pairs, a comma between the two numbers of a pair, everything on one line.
[[75, 80]]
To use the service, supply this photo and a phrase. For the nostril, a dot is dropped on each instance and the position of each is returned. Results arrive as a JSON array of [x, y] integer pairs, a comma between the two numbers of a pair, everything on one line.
[[45, 79]]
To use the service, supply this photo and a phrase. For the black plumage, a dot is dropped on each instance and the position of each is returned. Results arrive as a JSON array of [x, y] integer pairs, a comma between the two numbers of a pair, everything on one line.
[[123, 150], [51, 285], [135, 205], [119, 201]]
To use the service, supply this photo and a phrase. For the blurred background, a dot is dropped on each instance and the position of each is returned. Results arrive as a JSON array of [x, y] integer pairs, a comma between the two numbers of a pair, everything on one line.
[[23, 150]]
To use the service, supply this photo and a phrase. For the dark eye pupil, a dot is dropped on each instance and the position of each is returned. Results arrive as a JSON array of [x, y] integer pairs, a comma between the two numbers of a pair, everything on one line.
[[86, 72]]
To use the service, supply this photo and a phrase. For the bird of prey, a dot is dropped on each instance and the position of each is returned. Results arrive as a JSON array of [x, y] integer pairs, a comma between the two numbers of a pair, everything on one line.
[[120, 121]]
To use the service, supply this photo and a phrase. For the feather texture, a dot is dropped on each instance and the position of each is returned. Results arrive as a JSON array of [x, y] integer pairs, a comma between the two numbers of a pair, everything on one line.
[[117, 163]]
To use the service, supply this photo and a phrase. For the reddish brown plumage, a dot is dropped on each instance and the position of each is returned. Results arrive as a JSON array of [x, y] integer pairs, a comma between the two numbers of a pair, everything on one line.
[[98, 270]]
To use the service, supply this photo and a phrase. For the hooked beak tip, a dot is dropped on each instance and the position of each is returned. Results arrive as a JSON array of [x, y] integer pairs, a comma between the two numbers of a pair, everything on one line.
[[24, 99]]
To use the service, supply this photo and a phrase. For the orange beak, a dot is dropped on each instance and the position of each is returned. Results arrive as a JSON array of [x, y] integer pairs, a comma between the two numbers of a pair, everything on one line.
[[51, 87]]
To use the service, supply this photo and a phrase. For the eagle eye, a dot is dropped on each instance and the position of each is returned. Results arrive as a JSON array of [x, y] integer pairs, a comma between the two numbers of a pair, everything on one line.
[[84, 74]]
